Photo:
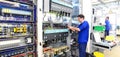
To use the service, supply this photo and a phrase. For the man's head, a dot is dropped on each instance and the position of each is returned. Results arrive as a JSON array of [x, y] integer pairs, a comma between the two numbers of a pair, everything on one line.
[[107, 18], [81, 18]]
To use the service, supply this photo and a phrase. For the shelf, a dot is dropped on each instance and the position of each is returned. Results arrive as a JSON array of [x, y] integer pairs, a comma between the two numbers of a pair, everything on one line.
[[22, 2], [4, 39], [30, 51], [12, 47], [23, 35], [14, 11], [57, 5], [45, 22], [13, 37], [5, 21], [62, 3], [1, 6], [52, 22], [55, 31], [103, 45], [14, 5], [30, 44]]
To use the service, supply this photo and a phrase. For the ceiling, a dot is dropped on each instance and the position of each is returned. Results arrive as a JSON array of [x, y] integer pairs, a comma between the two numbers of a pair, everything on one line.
[[96, 2], [101, 4]]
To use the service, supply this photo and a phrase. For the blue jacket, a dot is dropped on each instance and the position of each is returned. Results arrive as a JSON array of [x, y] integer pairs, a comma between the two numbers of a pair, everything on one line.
[[83, 34], [107, 26]]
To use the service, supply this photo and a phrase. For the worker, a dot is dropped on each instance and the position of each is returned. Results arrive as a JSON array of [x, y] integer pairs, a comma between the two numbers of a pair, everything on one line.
[[107, 26], [83, 34]]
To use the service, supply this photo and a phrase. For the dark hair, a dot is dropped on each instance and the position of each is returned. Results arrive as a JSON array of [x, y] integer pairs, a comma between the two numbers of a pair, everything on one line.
[[81, 16], [107, 17]]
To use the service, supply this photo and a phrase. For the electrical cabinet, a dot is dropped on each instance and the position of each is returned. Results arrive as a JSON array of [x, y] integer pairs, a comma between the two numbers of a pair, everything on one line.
[[56, 40], [17, 28]]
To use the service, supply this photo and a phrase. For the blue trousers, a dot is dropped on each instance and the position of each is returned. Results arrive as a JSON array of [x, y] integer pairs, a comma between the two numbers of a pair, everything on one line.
[[82, 49], [106, 32]]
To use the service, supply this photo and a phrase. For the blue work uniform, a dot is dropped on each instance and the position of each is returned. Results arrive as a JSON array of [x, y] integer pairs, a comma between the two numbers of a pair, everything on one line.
[[83, 36], [107, 27]]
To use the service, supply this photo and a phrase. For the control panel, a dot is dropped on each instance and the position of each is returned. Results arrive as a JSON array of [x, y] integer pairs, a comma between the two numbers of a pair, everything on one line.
[[55, 40], [10, 30], [17, 34], [56, 37]]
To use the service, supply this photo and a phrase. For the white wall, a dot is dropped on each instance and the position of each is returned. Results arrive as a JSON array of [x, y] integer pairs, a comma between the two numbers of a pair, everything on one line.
[[118, 19]]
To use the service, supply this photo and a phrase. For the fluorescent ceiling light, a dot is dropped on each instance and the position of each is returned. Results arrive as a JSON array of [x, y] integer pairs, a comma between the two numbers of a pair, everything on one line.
[[108, 1], [104, 1], [95, 2]]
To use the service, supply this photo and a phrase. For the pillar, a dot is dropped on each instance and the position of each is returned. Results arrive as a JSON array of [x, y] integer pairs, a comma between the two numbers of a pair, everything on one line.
[[39, 28], [86, 9]]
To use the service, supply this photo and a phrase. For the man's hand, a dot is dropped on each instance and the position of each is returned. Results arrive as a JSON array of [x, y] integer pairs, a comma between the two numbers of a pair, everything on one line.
[[71, 28]]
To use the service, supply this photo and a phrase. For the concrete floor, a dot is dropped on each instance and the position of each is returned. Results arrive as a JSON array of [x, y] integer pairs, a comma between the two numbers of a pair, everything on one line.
[[115, 52]]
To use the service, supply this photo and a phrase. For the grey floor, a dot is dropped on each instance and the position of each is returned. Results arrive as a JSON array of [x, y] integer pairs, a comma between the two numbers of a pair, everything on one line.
[[115, 52]]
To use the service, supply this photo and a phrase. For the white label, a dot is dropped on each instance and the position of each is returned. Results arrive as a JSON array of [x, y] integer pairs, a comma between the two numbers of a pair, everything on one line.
[[29, 40]]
